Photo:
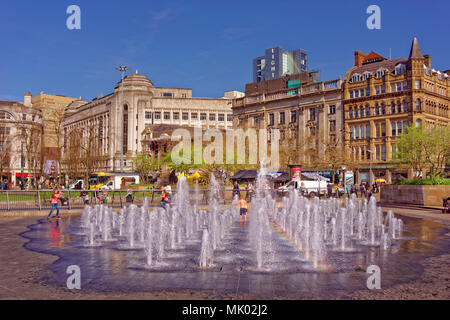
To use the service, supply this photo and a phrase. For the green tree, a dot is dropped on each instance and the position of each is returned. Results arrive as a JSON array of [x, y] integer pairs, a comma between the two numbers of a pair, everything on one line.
[[424, 148], [145, 164]]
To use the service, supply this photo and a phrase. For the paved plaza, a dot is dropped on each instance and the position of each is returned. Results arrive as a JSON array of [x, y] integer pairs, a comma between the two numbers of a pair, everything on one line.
[[35, 268]]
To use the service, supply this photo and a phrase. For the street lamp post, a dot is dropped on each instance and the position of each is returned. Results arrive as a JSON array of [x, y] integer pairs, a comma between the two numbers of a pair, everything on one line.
[[122, 69]]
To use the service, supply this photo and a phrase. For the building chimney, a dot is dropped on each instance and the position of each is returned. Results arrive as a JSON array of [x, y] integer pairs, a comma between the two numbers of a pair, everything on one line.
[[427, 60], [27, 99], [359, 58]]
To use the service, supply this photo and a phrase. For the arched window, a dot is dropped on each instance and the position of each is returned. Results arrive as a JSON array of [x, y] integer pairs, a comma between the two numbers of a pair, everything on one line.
[[350, 113], [400, 68], [377, 110], [356, 112], [366, 75], [5, 116], [361, 111], [393, 107], [356, 77], [380, 73], [367, 111], [418, 105]]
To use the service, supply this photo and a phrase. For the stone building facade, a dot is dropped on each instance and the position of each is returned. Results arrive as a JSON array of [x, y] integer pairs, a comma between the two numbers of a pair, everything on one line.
[[381, 98], [306, 115], [21, 131], [145, 106], [52, 107]]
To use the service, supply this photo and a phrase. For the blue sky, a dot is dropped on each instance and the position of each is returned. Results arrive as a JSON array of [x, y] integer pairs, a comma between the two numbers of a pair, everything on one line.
[[204, 45]]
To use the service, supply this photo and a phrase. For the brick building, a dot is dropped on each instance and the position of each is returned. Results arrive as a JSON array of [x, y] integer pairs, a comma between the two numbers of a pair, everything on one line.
[[381, 98]]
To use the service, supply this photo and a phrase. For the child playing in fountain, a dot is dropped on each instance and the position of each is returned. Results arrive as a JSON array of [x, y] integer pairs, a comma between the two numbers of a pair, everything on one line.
[[245, 206]]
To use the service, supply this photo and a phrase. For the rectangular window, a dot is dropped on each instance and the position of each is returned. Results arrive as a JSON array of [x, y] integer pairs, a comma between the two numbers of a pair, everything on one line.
[[351, 94], [166, 115], [167, 94], [332, 125], [405, 85], [357, 132], [363, 129], [383, 130], [212, 117], [185, 116], [393, 87], [229, 118], [383, 153], [221, 117], [332, 109], [293, 116], [405, 106], [394, 129], [377, 90], [148, 115], [157, 115], [194, 116], [368, 131], [351, 133], [361, 92], [383, 89], [202, 116], [378, 152], [312, 114], [356, 94], [399, 86], [176, 116], [417, 84], [282, 118], [24, 117], [271, 119], [367, 92], [399, 128]]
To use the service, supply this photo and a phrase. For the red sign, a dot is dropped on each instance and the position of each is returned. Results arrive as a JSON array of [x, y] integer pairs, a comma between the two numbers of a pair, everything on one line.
[[296, 172]]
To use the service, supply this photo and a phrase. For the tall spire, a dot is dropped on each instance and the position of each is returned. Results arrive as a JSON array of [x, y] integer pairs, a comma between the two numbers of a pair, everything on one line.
[[415, 52]]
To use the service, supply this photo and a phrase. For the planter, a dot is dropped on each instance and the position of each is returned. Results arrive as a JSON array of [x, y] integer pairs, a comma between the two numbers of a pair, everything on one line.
[[424, 195]]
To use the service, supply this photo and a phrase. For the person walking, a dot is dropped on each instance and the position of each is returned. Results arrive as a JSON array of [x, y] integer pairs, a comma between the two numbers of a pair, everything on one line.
[[363, 190], [54, 201], [164, 198], [169, 192], [236, 190]]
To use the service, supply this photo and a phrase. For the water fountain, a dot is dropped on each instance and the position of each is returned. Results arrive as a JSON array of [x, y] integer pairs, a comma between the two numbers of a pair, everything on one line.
[[279, 234]]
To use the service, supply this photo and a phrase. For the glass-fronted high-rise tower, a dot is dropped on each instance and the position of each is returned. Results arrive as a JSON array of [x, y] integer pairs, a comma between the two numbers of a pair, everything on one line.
[[278, 62]]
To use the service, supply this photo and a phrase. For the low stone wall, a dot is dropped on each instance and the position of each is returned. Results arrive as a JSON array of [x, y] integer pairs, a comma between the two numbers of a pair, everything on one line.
[[418, 195]]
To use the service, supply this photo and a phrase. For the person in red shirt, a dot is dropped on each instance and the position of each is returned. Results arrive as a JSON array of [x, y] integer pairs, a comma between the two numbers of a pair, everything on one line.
[[55, 196]]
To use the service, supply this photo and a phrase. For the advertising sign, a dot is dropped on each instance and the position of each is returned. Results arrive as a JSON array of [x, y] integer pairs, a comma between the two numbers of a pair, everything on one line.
[[296, 173], [51, 167]]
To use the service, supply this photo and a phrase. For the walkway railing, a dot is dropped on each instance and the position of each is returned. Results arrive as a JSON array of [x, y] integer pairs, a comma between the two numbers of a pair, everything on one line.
[[76, 199]]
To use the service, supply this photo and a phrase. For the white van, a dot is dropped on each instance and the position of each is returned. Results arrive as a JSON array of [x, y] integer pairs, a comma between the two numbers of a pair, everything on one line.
[[310, 188]]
